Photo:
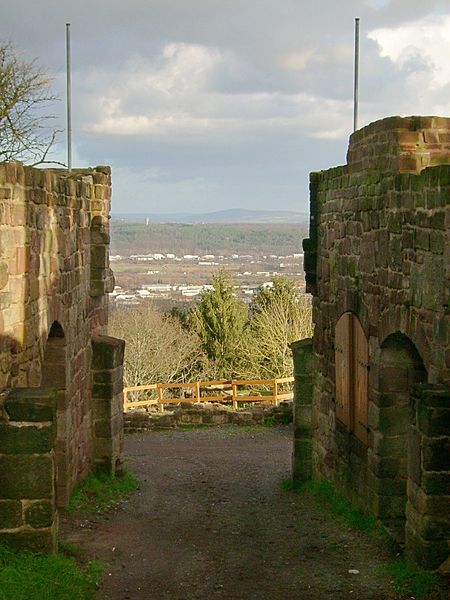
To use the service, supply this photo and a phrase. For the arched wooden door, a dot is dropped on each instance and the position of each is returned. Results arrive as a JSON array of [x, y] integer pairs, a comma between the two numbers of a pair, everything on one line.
[[351, 368]]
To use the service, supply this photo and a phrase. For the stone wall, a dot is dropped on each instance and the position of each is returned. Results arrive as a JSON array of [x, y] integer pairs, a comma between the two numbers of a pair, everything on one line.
[[54, 277], [107, 396], [28, 515], [378, 258], [302, 409], [138, 421]]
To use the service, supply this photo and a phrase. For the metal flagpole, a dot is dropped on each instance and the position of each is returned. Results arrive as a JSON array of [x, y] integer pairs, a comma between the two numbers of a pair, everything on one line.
[[69, 100], [356, 84]]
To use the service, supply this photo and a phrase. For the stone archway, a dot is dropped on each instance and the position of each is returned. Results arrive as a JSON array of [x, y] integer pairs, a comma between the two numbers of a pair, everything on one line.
[[400, 368], [54, 375]]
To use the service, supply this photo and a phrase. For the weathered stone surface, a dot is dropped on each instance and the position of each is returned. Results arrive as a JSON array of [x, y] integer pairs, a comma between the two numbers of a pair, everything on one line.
[[429, 554], [26, 440], [4, 275], [436, 454], [302, 352], [434, 422], [436, 484], [137, 421], [107, 352], [39, 514], [10, 514], [54, 236], [31, 477], [28, 404], [42, 541], [378, 249]]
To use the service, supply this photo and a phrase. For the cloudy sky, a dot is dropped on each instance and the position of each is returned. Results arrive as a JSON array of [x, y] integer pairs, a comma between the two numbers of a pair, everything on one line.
[[203, 105]]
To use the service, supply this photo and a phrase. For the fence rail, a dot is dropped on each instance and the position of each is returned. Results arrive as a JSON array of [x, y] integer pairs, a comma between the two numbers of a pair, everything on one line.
[[221, 390]]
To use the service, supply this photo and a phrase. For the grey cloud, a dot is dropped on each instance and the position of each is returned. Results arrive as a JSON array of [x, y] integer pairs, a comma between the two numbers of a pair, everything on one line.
[[284, 75]]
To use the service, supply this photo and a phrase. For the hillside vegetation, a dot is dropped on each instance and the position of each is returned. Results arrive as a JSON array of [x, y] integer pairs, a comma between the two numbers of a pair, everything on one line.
[[211, 238]]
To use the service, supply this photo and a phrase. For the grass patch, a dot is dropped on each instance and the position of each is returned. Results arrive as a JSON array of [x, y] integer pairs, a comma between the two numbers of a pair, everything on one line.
[[337, 505], [71, 550], [413, 582], [100, 492], [28, 576], [341, 508]]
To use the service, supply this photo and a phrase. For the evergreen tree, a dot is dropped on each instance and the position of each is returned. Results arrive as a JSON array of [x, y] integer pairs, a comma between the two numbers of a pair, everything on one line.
[[219, 320]]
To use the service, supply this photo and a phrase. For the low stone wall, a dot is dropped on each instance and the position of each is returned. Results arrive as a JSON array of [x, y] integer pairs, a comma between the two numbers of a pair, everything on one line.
[[137, 421], [28, 516]]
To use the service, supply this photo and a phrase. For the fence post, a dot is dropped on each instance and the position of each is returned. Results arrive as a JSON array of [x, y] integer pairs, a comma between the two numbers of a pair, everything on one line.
[[125, 399], [160, 399], [275, 392], [234, 392], [197, 390]]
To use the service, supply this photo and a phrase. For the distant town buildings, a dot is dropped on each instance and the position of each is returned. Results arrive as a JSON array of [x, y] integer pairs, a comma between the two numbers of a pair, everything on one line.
[[246, 267]]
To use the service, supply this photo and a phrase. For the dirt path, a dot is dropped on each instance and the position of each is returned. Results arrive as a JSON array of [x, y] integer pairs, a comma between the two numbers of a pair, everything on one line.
[[210, 521]]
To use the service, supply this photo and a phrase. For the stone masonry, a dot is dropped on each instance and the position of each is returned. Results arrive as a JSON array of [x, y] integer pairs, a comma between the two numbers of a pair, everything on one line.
[[61, 405], [207, 415], [377, 262]]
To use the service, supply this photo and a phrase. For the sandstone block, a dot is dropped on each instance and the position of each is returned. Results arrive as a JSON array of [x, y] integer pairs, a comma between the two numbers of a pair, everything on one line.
[[10, 514], [26, 476], [41, 541], [39, 514], [26, 440], [30, 404], [107, 352]]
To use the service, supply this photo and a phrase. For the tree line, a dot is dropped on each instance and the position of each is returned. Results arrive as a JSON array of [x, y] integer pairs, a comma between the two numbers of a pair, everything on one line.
[[208, 238], [218, 338]]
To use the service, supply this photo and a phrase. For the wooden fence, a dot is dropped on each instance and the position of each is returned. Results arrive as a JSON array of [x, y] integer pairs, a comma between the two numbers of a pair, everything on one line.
[[222, 391]]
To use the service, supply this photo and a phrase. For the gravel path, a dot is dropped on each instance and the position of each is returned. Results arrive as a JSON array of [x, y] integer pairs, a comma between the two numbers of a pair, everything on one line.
[[210, 521]]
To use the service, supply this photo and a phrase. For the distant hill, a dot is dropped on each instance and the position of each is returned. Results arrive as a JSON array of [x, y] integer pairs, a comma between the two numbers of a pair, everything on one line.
[[232, 215], [129, 237]]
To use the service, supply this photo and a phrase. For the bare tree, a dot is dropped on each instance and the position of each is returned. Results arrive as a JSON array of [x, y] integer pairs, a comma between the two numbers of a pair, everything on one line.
[[158, 349], [278, 318], [25, 127]]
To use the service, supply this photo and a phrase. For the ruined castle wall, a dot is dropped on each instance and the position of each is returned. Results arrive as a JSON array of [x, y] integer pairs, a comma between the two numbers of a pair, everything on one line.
[[379, 250], [54, 275]]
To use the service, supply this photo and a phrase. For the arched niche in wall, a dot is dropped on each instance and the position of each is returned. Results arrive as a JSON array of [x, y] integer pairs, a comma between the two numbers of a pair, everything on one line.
[[54, 369], [54, 363], [351, 372], [400, 368]]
